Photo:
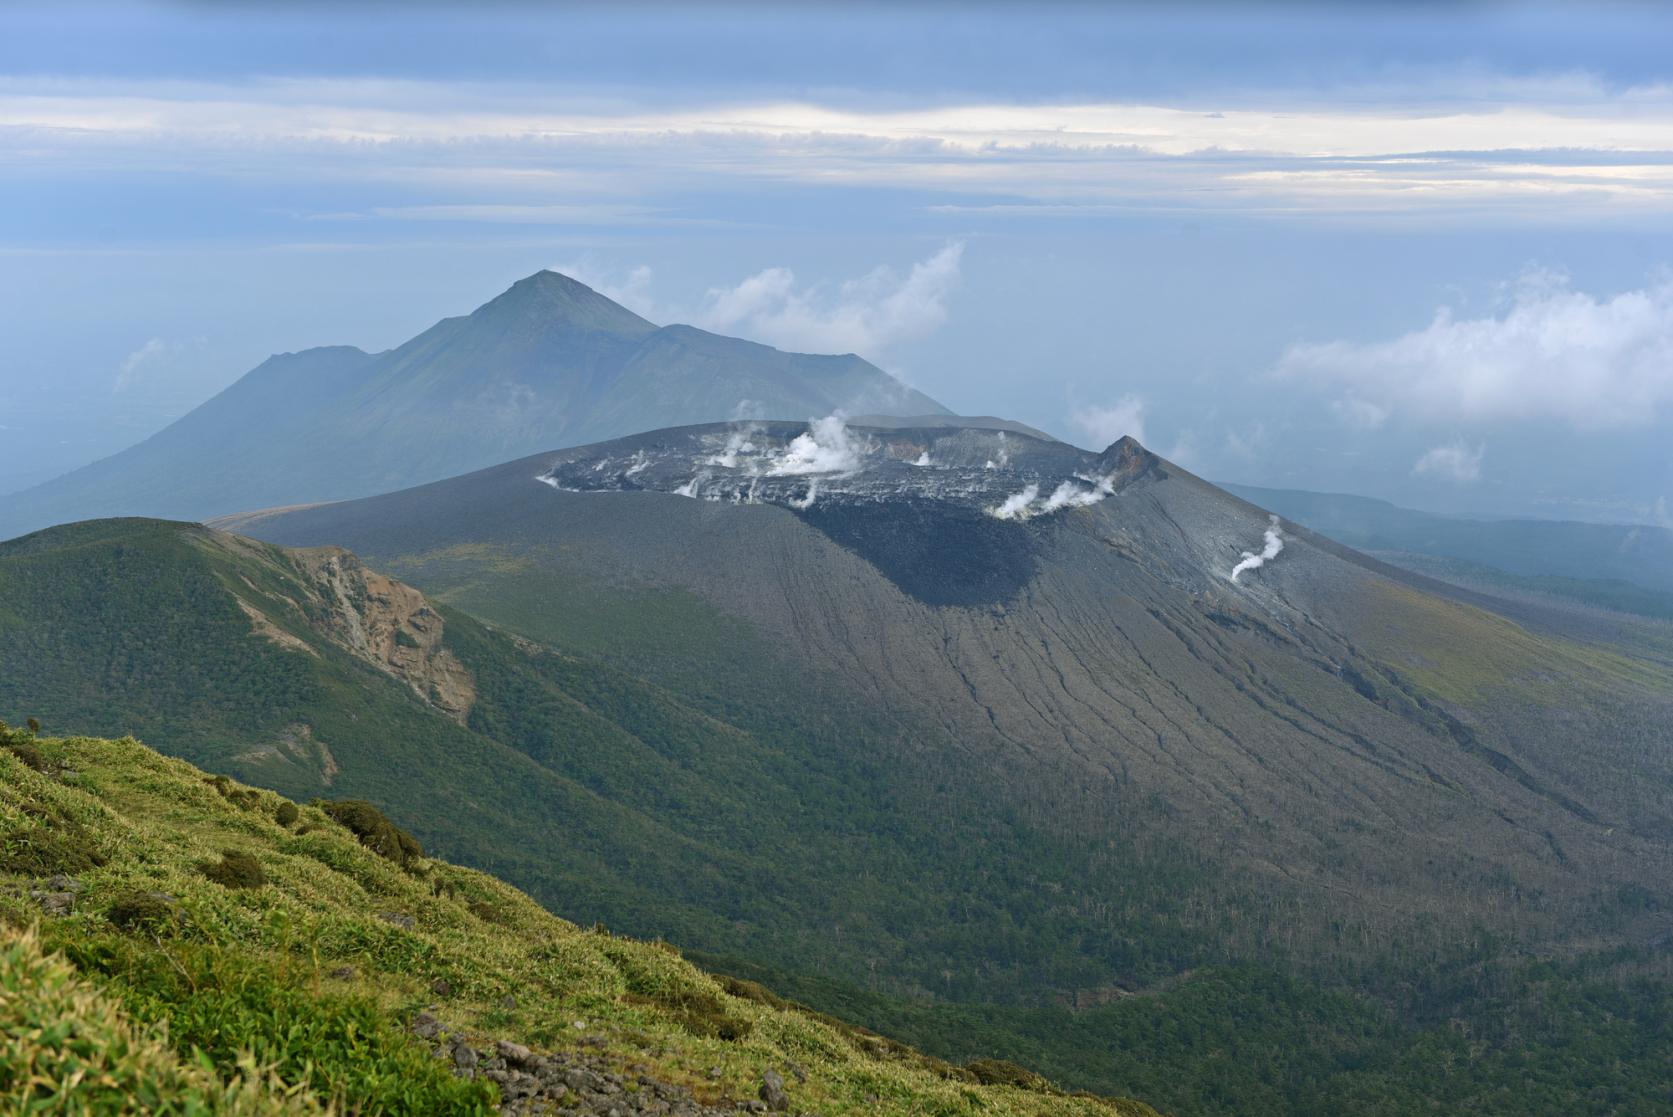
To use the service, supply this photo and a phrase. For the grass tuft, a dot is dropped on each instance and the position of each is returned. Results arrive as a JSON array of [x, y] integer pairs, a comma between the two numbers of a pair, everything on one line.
[[67, 1048]]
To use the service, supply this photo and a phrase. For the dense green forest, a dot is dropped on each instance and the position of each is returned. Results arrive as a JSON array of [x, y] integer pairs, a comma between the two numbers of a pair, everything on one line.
[[1499, 1034]]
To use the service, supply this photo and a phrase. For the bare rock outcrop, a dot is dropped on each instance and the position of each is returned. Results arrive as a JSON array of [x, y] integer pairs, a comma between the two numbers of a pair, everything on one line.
[[389, 625]]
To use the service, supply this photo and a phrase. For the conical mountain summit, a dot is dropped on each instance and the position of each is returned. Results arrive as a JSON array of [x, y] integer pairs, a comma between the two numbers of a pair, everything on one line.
[[547, 364]]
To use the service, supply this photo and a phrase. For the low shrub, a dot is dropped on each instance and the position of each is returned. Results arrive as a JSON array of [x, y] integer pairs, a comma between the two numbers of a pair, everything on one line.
[[28, 753], [999, 1072], [233, 1008], [55, 844], [753, 991], [695, 1010], [246, 798], [374, 830], [236, 870], [137, 910], [287, 814], [703, 1014]]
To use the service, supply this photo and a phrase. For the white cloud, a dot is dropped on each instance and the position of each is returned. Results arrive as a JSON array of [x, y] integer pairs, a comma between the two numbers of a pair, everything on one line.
[[513, 214], [156, 351], [1015, 506], [391, 112], [1454, 462], [763, 293], [1104, 425], [825, 447], [1554, 353], [868, 315], [1185, 450], [1272, 545], [1359, 414], [1499, 151], [1660, 515]]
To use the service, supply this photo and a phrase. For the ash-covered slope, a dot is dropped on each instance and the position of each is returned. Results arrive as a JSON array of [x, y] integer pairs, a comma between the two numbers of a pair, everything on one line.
[[550, 362], [1120, 641]]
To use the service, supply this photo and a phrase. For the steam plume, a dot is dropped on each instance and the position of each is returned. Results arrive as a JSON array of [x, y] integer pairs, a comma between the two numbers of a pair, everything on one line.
[[694, 487], [1252, 561], [806, 502], [737, 442], [1015, 506], [1068, 494], [825, 447]]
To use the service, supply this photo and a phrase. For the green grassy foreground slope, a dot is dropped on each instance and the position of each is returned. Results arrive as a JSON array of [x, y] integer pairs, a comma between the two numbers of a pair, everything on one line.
[[172, 937]]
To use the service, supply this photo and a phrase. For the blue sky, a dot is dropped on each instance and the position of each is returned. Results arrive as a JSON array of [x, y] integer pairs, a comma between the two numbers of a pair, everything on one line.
[[1420, 252]]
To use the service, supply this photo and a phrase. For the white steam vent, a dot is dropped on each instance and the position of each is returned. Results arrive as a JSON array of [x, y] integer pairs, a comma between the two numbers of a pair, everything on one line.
[[1252, 561], [826, 462]]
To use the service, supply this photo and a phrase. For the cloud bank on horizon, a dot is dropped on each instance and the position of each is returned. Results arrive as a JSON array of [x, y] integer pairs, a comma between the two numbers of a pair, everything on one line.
[[1554, 353], [1225, 236], [1504, 151]]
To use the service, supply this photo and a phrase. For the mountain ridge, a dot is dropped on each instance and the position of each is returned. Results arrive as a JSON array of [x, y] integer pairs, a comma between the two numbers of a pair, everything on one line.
[[549, 362], [1109, 579]]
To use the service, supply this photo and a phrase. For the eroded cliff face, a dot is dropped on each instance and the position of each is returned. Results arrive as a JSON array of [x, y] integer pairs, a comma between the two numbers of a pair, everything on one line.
[[389, 625], [386, 623]]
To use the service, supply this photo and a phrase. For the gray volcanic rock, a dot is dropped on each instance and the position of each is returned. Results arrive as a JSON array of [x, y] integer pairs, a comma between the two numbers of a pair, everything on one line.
[[800, 466], [575, 1082], [935, 509]]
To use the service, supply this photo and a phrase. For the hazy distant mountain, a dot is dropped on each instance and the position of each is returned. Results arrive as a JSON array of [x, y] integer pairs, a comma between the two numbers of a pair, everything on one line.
[[549, 363], [1620, 566]]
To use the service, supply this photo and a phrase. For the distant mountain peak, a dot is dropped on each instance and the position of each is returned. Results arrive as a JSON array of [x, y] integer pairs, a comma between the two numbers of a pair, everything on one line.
[[546, 364], [552, 298]]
